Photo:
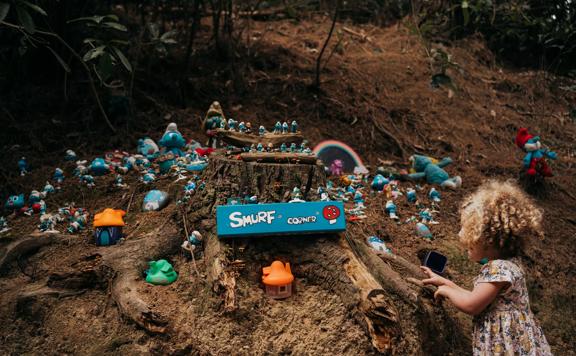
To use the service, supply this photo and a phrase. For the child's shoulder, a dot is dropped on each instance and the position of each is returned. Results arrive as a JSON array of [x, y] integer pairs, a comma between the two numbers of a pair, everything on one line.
[[501, 270]]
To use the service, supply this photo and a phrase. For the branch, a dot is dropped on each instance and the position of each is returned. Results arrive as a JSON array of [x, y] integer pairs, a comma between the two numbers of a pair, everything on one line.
[[75, 54], [319, 59]]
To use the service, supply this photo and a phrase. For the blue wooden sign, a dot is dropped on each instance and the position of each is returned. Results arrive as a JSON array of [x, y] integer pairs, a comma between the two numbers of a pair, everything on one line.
[[280, 218]]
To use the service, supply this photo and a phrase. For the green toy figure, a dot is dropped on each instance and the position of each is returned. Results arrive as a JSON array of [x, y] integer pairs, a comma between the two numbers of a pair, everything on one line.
[[160, 272]]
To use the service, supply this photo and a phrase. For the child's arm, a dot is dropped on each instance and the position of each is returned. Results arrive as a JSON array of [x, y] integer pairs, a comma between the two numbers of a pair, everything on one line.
[[470, 302]]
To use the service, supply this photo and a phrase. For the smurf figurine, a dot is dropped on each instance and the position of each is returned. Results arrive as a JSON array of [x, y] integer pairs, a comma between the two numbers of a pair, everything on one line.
[[377, 244], [242, 127], [248, 127], [285, 127], [78, 222], [193, 243], [99, 167], [411, 195], [278, 127], [294, 127], [48, 188], [148, 177], [70, 155], [58, 175], [23, 166], [260, 148], [431, 170], [80, 169], [88, 180], [391, 209], [296, 196], [119, 182], [426, 217], [213, 120], [423, 231], [148, 148], [535, 159], [3, 225], [172, 140], [261, 131], [47, 223], [379, 182], [283, 147], [231, 124], [434, 195], [293, 147]]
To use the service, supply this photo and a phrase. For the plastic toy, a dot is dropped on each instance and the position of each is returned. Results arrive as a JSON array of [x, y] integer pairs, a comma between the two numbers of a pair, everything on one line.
[[148, 148], [3, 225], [337, 168], [155, 200], [48, 222], [535, 159], [425, 168], [88, 180], [58, 175], [426, 216], [296, 196], [411, 195], [213, 120], [160, 272], [294, 127], [119, 182], [278, 127], [434, 195], [23, 166], [379, 182], [70, 155], [391, 209], [48, 188], [108, 227], [99, 167], [293, 147], [148, 177], [172, 140], [278, 280], [193, 243], [261, 131], [34, 197], [14, 202], [423, 231], [377, 244], [242, 127], [165, 162], [285, 127], [78, 221]]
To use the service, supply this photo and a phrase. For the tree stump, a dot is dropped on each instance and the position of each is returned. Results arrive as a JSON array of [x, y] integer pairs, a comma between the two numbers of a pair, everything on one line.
[[399, 316]]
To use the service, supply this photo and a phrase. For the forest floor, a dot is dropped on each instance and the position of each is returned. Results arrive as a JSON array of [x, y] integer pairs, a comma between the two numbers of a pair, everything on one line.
[[374, 87]]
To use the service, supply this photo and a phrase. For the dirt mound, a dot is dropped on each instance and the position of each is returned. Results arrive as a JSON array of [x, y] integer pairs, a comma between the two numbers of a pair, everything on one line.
[[377, 96]]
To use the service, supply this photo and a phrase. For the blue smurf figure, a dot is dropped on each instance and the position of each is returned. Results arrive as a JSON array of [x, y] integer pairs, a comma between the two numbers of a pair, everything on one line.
[[58, 175], [434, 195], [278, 127], [391, 209], [242, 127], [23, 166], [426, 168], [70, 155], [261, 130], [172, 140], [283, 147], [148, 148], [99, 167], [294, 127], [285, 127]]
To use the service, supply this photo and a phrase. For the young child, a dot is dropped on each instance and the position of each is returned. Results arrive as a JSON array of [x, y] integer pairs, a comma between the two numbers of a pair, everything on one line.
[[497, 221]]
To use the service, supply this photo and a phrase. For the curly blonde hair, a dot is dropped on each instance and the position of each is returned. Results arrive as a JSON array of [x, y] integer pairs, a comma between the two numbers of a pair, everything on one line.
[[502, 215]]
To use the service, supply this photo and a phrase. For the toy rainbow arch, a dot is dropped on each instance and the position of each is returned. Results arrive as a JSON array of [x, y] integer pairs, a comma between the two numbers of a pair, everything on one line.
[[330, 150]]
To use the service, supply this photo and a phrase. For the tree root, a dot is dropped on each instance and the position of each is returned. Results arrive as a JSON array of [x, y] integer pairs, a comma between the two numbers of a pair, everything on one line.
[[24, 245]]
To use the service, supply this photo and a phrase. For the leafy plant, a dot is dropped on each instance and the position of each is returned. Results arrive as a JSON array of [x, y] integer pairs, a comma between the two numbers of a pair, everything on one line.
[[103, 51]]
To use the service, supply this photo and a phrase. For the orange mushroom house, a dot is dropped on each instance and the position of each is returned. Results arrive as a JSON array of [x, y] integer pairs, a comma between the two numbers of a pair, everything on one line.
[[278, 280], [108, 226]]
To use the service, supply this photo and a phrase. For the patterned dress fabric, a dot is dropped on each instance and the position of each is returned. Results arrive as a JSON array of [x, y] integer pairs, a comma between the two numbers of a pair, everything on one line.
[[507, 326]]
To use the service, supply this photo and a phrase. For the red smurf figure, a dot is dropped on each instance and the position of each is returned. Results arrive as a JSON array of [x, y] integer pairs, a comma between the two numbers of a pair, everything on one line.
[[536, 154]]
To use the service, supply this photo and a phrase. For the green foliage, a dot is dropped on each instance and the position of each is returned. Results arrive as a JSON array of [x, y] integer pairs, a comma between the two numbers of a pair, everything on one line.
[[527, 32], [102, 50]]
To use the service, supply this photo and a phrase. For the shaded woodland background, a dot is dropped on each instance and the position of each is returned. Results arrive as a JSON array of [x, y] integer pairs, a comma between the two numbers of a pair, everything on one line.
[[390, 78]]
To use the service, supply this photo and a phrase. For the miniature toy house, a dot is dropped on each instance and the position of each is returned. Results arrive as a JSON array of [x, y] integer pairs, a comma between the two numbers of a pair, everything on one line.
[[278, 280]]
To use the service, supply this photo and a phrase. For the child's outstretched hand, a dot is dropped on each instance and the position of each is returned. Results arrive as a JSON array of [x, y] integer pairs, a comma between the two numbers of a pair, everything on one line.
[[434, 279]]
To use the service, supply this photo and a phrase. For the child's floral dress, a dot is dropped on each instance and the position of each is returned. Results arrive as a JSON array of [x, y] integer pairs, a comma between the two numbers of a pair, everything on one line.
[[507, 326]]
